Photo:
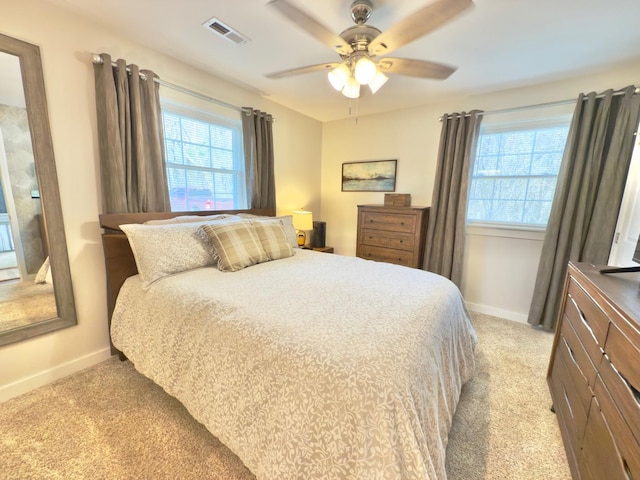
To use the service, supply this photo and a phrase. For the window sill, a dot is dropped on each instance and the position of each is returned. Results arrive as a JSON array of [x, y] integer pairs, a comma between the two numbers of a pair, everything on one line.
[[525, 232]]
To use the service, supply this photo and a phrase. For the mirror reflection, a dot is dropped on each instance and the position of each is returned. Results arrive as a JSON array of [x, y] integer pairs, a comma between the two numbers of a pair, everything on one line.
[[26, 286], [34, 248]]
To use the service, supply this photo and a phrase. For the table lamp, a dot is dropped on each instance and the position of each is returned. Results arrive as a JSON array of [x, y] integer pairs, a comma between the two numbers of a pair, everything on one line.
[[302, 220]]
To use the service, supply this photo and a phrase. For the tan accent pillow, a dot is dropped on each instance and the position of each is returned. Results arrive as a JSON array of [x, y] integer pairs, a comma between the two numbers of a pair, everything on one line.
[[236, 245], [285, 220], [273, 238]]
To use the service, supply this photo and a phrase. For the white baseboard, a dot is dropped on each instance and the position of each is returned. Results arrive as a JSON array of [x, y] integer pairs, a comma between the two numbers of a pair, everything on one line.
[[45, 377], [497, 312]]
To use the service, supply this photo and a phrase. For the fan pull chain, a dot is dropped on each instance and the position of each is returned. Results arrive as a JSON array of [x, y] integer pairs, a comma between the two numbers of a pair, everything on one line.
[[357, 113], [351, 109]]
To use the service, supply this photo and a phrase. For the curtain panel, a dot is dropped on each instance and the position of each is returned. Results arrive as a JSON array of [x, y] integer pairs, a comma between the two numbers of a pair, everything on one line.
[[588, 194], [447, 216], [257, 133], [130, 135]]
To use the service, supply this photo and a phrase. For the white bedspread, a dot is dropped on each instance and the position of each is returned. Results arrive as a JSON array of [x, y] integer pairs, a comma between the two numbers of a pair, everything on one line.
[[316, 366]]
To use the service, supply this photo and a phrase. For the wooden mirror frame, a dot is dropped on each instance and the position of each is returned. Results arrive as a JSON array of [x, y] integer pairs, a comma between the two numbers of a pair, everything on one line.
[[36, 101]]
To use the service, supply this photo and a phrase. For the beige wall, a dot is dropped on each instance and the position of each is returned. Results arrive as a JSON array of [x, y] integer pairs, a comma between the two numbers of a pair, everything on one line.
[[500, 267], [66, 42]]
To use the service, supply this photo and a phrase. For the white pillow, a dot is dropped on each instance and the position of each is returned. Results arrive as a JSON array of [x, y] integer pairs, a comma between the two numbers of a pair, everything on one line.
[[161, 250], [187, 219]]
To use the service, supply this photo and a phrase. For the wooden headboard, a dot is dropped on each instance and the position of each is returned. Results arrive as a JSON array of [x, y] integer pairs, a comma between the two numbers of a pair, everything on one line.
[[118, 257]]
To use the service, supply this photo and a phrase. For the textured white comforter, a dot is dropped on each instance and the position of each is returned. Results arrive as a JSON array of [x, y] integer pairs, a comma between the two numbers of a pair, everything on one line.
[[316, 366]]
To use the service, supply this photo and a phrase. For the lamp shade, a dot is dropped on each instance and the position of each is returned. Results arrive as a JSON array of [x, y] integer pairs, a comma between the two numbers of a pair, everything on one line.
[[378, 81], [365, 70], [302, 220], [351, 89], [338, 76]]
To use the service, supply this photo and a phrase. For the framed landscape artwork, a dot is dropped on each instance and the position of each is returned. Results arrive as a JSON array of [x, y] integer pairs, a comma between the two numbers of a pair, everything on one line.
[[371, 176]]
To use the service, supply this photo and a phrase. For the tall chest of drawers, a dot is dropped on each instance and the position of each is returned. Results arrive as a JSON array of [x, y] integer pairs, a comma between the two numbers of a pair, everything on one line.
[[392, 234], [594, 373]]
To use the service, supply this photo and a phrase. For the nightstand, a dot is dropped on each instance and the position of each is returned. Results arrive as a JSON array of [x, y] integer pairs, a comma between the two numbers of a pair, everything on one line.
[[319, 249]]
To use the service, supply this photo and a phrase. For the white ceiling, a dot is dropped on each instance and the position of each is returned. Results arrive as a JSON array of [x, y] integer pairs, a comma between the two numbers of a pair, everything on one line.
[[496, 44]]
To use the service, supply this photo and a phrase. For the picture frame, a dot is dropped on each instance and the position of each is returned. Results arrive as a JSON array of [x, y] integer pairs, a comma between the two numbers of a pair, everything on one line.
[[369, 176]]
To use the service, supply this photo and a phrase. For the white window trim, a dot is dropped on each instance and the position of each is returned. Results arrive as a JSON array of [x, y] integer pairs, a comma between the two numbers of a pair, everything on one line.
[[494, 228], [212, 118], [506, 230]]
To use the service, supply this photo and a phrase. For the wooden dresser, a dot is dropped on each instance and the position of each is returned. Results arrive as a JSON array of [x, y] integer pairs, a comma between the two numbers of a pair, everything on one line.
[[594, 373], [392, 234]]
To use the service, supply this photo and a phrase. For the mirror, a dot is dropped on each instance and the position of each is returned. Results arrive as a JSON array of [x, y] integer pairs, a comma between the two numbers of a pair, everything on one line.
[[36, 295]]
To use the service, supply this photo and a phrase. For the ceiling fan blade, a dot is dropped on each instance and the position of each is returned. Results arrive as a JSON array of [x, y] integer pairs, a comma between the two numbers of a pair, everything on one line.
[[417, 25], [302, 70], [415, 68], [312, 26]]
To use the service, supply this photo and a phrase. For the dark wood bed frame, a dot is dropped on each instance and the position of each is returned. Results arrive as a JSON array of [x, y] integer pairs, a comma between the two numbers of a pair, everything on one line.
[[118, 257]]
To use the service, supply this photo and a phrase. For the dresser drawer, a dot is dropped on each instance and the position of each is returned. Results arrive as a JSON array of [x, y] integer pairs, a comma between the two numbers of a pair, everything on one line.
[[624, 353], [590, 313], [566, 401], [579, 355], [609, 443], [578, 390], [619, 372], [382, 238], [583, 330], [396, 222], [399, 257]]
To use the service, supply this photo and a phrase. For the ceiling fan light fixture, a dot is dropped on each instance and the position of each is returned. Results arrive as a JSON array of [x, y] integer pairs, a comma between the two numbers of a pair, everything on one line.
[[378, 81], [365, 70], [351, 89], [338, 76]]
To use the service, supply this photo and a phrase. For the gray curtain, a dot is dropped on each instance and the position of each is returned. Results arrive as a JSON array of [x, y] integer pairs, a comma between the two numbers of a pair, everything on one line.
[[447, 216], [131, 143], [588, 194], [257, 135]]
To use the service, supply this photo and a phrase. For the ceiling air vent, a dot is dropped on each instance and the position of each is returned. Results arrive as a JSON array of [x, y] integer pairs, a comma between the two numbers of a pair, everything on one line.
[[225, 31]]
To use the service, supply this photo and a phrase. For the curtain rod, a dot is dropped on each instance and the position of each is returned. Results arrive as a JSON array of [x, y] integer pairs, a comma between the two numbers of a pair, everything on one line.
[[536, 105], [97, 58]]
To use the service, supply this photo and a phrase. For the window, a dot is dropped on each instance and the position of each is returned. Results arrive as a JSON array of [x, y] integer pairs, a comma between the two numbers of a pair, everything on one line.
[[515, 172], [205, 164]]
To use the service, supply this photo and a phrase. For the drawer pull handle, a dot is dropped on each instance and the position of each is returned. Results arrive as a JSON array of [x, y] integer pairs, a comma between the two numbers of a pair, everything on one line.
[[567, 402], [634, 392], [401, 241], [571, 352], [627, 470], [584, 319]]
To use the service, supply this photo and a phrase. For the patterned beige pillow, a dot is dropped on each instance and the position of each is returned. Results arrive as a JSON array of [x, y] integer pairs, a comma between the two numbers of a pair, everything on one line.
[[236, 244], [273, 238], [161, 250]]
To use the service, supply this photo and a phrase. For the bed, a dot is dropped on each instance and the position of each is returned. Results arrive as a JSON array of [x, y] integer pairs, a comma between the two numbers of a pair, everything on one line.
[[307, 366]]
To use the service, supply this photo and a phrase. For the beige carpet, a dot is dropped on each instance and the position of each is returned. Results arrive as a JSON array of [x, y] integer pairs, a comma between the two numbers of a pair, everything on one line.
[[110, 422], [25, 303]]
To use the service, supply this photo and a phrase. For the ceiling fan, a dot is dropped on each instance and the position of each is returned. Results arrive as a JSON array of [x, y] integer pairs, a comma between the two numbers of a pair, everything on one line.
[[362, 46]]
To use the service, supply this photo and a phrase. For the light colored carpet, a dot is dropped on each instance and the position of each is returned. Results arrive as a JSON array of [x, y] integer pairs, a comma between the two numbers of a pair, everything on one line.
[[25, 303], [110, 422]]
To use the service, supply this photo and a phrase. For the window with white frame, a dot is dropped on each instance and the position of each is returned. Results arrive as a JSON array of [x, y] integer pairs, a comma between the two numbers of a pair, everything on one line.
[[514, 175], [205, 163]]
